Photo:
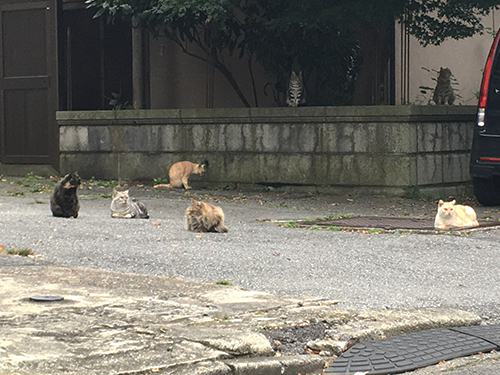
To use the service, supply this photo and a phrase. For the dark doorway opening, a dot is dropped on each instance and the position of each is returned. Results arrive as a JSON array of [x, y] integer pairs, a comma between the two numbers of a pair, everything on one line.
[[95, 61]]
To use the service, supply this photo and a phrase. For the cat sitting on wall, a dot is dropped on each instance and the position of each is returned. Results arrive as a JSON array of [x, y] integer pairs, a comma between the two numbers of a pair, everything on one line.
[[296, 93], [64, 198], [443, 93]]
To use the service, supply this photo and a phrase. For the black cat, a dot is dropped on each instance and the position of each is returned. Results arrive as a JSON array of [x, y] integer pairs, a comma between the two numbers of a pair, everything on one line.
[[64, 200]]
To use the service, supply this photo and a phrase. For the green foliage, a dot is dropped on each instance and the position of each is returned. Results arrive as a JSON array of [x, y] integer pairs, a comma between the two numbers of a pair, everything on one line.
[[290, 224], [16, 193], [116, 104], [334, 227], [321, 37], [160, 180], [33, 177], [240, 196], [434, 21], [24, 251], [103, 183], [99, 195], [223, 282], [28, 179], [32, 183]]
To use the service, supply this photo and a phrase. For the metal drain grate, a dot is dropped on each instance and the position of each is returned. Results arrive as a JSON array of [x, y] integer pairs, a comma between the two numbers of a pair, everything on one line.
[[408, 352], [387, 223]]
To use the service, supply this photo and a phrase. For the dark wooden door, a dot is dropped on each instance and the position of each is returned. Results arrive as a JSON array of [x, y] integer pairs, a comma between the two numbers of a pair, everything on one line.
[[28, 82]]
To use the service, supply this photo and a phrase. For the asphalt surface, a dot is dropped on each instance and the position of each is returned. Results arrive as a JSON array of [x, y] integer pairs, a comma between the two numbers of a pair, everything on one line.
[[393, 270], [364, 270]]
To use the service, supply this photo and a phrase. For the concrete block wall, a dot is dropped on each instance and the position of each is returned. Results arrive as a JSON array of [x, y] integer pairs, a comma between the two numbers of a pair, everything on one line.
[[379, 148]]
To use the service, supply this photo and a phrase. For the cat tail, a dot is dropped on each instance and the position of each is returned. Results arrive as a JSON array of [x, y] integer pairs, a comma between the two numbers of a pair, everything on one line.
[[218, 227], [142, 211], [221, 228]]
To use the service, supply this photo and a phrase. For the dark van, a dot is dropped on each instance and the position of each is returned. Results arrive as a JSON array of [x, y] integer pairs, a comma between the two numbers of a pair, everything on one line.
[[485, 152]]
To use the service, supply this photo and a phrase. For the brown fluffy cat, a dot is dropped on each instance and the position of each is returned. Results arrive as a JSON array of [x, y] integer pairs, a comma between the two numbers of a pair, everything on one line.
[[204, 217], [451, 215], [179, 173]]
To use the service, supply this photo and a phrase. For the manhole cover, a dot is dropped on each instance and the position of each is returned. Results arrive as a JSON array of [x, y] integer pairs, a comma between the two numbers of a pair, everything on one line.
[[387, 223], [46, 298], [408, 352]]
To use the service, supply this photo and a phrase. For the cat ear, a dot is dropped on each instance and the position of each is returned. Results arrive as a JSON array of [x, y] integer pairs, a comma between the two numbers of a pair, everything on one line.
[[453, 202], [193, 201], [440, 203]]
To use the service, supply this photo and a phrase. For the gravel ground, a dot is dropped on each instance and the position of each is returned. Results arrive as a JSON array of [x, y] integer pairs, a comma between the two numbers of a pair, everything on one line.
[[393, 270]]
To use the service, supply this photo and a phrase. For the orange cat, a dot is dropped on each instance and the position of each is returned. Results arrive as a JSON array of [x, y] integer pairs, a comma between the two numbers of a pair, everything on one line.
[[204, 217], [179, 173], [451, 215]]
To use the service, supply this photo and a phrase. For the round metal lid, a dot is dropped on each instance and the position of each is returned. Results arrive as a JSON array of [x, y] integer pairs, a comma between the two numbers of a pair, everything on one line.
[[46, 298]]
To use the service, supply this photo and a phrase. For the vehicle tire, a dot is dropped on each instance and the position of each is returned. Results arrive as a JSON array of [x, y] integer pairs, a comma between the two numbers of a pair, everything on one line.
[[487, 190]]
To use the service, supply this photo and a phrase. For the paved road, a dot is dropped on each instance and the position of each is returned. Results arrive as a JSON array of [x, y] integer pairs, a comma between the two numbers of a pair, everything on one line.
[[363, 270]]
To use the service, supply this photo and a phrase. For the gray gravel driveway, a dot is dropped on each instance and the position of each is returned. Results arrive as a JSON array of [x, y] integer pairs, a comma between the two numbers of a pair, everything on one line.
[[363, 270]]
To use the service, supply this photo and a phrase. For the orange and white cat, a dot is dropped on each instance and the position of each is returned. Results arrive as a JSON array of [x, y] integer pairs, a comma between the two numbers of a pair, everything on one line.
[[451, 215], [179, 173], [204, 217]]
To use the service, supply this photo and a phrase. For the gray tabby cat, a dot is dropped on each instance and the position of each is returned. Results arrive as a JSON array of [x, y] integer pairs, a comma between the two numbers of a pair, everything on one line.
[[444, 92], [125, 207], [296, 93]]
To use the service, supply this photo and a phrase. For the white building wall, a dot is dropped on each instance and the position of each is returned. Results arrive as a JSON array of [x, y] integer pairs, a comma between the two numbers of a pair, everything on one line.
[[465, 58]]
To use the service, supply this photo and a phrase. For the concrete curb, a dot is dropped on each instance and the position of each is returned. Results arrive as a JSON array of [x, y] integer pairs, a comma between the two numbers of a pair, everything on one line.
[[122, 323]]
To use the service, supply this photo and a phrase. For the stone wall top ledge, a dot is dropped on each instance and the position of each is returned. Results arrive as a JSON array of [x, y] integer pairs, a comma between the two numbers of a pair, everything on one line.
[[393, 114]]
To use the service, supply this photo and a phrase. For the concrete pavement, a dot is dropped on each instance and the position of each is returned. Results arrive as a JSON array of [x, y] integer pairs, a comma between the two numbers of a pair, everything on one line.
[[126, 323], [119, 323]]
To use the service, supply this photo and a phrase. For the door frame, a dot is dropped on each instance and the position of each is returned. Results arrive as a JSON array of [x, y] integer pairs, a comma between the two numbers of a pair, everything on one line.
[[51, 78]]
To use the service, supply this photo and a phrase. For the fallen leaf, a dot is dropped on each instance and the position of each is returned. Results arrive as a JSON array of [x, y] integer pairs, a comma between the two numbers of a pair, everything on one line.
[[311, 351], [198, 236], [155, 370], [441, 362], [276, 254], [277, 342], [155, 223], [34, 256], [2, 247], [174, 244]]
